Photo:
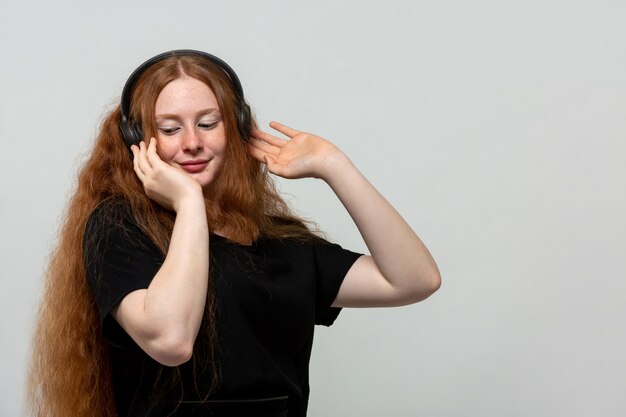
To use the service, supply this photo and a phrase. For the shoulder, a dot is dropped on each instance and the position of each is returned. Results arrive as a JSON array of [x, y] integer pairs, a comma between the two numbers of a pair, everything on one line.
[[318, 249], [110, 211], [112, 219], [114, 238], [293, 231]]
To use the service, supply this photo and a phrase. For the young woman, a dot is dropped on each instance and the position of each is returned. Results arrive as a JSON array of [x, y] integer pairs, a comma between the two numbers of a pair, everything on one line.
[[182, 284]]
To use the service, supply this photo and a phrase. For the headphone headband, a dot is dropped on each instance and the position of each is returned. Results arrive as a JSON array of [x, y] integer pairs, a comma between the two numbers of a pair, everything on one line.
[[131, 131]]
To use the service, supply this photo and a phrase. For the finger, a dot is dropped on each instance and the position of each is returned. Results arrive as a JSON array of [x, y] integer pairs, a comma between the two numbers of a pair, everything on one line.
[[263, 146], [257, 153], [266, 137], [135, 150], [151, 153], [286, 130], [144, 165], [273, 167]]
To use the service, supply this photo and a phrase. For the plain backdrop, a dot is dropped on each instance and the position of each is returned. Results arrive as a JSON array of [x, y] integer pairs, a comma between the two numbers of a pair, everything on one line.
[[497, 128]]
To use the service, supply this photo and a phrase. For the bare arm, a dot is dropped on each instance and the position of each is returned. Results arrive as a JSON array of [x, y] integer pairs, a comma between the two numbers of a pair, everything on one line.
[[401, 269], [164, 319]]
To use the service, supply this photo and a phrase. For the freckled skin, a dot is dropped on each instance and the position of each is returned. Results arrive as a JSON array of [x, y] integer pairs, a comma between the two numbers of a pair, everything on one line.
[[190, 128]]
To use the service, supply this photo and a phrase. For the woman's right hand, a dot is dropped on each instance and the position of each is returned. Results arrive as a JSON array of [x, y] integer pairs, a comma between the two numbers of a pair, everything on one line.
[[167, 185]]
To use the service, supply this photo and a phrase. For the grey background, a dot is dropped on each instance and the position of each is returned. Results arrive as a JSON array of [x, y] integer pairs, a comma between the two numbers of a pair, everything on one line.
[[496, 127]]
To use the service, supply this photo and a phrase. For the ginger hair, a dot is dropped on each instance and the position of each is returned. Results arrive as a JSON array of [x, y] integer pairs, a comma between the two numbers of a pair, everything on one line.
[[70, 369]]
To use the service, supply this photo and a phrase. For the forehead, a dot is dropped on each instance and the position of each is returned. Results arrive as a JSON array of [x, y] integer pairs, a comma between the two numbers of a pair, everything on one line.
[[185, 94]]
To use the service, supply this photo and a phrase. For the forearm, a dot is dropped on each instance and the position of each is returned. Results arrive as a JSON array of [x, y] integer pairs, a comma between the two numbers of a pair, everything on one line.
[[399, 254], [174, 302], [164, 318]]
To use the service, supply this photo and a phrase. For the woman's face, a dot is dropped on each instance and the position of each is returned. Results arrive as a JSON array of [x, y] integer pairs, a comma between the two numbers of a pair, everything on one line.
[[190, 131]]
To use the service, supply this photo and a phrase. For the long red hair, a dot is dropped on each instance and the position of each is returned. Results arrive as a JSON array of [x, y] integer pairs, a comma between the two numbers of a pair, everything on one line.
[[70, 370]]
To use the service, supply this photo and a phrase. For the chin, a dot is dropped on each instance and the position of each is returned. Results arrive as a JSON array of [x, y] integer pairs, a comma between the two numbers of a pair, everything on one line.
[[205, 179], [204, 183]]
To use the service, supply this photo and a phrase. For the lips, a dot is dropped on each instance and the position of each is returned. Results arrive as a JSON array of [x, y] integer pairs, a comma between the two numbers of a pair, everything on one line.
[[197, 165]]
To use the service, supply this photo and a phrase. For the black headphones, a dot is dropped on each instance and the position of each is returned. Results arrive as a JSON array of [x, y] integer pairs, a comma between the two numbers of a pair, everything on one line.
[[131, 130]]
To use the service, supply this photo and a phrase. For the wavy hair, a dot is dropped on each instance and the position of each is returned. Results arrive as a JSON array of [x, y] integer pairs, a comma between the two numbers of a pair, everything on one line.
[[70, 369]]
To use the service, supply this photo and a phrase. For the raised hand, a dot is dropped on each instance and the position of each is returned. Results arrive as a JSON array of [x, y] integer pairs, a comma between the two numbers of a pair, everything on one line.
[[167, 185], [400, 270], [303, 155]]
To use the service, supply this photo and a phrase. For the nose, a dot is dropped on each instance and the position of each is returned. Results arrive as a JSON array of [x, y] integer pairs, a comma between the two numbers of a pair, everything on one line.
[[191, 141]]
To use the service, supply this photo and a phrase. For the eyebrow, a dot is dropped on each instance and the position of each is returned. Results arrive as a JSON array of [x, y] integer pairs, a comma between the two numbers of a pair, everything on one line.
[[173, 116]]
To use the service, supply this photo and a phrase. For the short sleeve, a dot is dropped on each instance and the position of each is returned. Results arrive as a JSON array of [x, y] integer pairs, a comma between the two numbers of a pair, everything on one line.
[[119, 258], [332, 263]]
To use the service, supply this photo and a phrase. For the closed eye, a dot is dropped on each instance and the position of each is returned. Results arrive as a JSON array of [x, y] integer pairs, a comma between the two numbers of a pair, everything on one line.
[[167, 130], [207, 125]]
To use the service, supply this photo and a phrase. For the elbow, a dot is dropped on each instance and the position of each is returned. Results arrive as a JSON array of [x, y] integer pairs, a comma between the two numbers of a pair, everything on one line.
[[426, 281], [425, 289], [434, 283], [171, 351]]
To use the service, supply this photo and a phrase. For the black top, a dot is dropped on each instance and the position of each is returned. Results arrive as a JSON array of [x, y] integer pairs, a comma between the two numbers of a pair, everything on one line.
[[269, 296]]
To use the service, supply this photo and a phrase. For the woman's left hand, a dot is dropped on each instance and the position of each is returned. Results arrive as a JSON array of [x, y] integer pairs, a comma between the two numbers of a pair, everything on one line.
[[304, 155]]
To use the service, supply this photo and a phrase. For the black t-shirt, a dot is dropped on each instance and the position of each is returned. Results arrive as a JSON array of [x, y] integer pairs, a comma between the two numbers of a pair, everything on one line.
[[269, 297]]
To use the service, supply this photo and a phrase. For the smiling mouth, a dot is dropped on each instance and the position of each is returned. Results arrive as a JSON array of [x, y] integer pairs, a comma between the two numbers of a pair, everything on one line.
[[194, 166]]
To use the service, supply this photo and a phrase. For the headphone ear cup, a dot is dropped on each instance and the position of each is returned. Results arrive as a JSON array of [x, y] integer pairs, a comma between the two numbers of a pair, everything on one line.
[[131, 132], [245, 121], [137, 133]]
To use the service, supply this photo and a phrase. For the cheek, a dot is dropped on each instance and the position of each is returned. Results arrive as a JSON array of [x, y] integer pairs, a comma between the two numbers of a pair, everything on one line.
[[220, 147], [166, 150], [217, 141], [219, 144]]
